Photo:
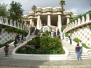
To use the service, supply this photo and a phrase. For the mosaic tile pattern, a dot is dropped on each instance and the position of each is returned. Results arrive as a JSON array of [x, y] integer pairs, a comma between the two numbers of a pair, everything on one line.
[[84, 34], [5, 36]]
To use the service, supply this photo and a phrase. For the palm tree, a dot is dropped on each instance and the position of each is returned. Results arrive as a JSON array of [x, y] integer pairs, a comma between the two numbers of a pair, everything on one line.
[[62, 3], [34, 9]]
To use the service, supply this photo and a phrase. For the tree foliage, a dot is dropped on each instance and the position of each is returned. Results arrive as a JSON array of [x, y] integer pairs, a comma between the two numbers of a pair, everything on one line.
[[3, 10], [16, 11], [34, 8]]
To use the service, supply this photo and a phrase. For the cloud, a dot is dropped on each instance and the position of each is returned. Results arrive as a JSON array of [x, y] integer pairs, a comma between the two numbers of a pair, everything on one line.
[[74, 10]]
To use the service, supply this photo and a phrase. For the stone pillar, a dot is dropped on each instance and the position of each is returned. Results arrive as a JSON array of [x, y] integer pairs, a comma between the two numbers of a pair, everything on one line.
[[48, 20], [38, 13], [83, 20], [1, 20], [79, 21], [6, 23], [87, 17], [38, 22], [11, 22], [20, 25], [31, 21], [60, 25], [68, 20], [15, 23]]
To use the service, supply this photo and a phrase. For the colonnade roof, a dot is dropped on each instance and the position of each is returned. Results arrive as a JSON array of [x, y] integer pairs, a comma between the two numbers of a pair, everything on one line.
[[53, 10]]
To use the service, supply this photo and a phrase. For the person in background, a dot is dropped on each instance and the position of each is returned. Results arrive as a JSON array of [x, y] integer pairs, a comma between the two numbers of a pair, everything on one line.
[[6, 49], [70, 39], [80, 44], [62, 35]]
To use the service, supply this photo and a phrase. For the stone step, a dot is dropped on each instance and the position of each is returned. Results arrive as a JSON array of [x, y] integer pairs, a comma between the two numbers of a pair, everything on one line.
[[79, 66]]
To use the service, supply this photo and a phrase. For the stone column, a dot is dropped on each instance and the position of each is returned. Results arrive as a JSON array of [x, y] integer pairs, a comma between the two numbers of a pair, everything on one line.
[[38, 22], [6, 23], [15, 23], [11, 22], [59, 25], [31, 21], [83, 20], [79, 21], [1, 20], [48, 20], [68, 20], [87, 17]]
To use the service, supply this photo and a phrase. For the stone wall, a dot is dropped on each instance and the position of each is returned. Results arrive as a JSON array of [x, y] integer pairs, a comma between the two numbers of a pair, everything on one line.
[[83, 34], [5, 36]]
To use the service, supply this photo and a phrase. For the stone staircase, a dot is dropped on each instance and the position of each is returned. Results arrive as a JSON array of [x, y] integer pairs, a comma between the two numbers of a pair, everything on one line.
[[72, 54], [8, 62], [11, 47]]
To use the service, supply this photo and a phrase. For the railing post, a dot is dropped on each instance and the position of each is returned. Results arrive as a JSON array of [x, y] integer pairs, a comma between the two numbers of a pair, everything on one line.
[[79, 21], [6, 23], [1, 20], [14, 23], [83, 20], [11, 22], [87, 18]]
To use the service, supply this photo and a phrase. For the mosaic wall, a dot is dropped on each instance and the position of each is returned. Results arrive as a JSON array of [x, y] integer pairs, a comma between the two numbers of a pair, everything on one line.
[[83, 34], [5, 36]]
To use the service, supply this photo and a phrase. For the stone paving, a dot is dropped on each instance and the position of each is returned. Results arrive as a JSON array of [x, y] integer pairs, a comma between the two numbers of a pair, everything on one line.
[[8, 62]]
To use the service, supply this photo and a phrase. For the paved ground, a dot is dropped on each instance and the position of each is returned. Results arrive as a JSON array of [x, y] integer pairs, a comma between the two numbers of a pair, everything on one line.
[[8, 62]]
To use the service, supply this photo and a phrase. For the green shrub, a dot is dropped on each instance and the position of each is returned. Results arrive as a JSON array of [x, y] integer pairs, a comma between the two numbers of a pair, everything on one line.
[[46, 33], [32, 42], [66, 35], [9, 29], [43, 45], [84, 45], [0, 28], [32, 29], [76, 40], [63, 27], [50, 45]]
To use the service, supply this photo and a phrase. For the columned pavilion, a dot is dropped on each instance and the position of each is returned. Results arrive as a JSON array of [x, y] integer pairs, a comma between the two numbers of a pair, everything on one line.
[[49, 16]]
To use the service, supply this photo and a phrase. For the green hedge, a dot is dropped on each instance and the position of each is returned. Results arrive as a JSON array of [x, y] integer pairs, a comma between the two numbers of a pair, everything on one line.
[[83, 44], [0, 28], [43, 45], [63, 27], [16, 30], [76, 40], [32, 29], [66, 35]]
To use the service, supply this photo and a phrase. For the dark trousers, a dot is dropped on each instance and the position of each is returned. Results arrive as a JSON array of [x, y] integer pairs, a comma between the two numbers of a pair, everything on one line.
[[6, 52], [70, 41]]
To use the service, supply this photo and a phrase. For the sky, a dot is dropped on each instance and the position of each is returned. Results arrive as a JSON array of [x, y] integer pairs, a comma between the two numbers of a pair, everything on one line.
[[76, 6]]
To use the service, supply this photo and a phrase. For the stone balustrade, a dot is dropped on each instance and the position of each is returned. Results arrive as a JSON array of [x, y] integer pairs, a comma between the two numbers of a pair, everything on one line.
[[78, 23], [11, 23]]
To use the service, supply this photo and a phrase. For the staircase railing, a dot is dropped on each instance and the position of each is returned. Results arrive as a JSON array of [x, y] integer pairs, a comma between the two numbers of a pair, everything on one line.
[[78, 23]]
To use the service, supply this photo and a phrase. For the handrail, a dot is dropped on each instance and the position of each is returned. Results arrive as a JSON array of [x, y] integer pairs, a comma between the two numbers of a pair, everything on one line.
[[78, 23]]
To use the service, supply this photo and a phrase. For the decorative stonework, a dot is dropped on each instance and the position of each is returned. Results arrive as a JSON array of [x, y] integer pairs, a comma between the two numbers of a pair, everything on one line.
[[39, 9], [45, 28]]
